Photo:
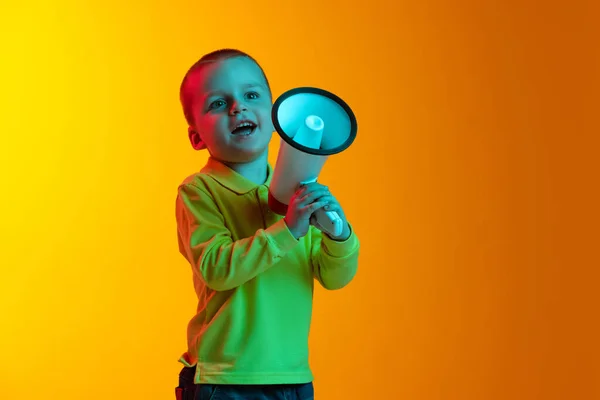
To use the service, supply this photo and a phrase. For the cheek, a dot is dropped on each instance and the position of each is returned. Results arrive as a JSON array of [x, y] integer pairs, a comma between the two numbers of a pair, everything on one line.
[[269, 126], [266, 121], [214, 129], [217, 123]]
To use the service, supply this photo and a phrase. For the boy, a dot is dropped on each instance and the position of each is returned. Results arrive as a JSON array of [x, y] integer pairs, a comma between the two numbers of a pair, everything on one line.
[[253, 270]]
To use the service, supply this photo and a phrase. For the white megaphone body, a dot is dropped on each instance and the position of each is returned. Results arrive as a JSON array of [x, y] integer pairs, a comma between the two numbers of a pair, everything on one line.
[[313, 124]]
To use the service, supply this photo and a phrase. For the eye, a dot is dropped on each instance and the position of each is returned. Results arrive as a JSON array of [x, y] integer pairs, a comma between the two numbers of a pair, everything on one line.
[[252, 95], [216, 104]]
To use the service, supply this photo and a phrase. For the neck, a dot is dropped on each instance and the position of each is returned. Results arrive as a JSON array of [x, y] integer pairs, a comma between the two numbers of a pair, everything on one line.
[[255, 170]]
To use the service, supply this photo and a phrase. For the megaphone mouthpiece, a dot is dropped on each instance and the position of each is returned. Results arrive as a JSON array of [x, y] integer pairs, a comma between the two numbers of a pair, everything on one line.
[[314, 123]]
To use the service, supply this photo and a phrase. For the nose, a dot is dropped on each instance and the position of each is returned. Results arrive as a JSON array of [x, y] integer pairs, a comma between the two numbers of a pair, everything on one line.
[[238, 107]]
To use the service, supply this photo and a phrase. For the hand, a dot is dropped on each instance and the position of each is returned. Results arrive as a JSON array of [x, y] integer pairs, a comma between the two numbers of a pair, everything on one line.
[[303, 204], [332, 205]]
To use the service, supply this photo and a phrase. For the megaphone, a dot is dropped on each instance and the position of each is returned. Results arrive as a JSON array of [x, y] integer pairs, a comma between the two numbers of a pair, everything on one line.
[[313, 124]]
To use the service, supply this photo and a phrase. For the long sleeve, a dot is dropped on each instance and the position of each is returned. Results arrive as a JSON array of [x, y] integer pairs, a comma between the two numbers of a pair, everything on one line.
[[334, 263], [205, 241]]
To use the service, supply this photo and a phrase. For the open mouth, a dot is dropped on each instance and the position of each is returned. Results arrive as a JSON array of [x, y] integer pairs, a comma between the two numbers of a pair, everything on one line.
[[244, 129]]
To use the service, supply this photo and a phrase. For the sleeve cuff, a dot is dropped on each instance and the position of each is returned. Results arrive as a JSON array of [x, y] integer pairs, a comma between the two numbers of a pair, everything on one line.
[[185, 360], [341, 249], [280, 234]]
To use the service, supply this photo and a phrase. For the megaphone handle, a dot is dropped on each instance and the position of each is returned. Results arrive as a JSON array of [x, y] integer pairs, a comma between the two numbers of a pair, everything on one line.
[[330, 221]]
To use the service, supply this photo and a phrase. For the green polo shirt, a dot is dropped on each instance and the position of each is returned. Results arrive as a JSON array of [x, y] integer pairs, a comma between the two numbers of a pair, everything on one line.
[[253, 279]]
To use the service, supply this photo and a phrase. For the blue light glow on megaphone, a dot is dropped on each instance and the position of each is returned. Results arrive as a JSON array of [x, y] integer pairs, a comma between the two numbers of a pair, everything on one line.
[[313, 124]]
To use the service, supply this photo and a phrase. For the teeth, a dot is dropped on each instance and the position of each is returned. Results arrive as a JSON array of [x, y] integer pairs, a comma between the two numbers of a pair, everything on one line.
[[244, 124]]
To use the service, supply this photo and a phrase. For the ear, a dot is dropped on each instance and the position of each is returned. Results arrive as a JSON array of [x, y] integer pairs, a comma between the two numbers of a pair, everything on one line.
[[195, 139]]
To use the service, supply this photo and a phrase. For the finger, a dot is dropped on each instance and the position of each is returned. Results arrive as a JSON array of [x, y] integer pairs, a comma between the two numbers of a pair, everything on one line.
[[313, 196], [332, 203], [309, 187], [302, 191], [308, 210], [333, 207], [328, 197], [302, 188]]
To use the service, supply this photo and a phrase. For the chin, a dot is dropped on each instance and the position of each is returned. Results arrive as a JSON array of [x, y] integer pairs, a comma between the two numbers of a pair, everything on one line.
[[254, 155]]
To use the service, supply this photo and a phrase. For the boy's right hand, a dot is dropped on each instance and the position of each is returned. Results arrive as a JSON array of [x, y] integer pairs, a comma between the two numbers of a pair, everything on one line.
[[302, 205]]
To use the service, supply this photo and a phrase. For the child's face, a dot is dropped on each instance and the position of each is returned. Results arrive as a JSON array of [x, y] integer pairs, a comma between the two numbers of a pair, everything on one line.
[[227, 94]]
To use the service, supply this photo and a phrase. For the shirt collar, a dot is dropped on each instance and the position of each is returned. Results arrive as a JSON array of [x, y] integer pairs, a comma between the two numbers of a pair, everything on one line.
[[230, 179]]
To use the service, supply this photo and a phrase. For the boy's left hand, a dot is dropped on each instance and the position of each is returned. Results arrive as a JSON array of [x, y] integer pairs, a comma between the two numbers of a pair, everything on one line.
[[334, 206]]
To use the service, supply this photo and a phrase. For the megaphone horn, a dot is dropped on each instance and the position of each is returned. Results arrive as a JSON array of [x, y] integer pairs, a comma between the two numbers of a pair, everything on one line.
[[313, 124]]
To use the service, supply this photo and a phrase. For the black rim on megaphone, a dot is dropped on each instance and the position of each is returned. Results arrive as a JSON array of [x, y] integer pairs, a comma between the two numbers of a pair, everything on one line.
[[321, 92]]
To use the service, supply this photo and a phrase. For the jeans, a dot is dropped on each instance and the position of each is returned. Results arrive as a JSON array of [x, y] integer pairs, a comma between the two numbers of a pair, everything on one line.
[[254, 392], [191, 391]]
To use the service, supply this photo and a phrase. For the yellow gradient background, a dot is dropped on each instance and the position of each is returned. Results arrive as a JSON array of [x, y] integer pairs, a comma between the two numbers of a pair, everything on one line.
[[473, 185]]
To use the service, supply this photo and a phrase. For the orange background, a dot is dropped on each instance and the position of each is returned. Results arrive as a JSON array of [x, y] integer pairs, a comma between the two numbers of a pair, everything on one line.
[[473, 185]]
